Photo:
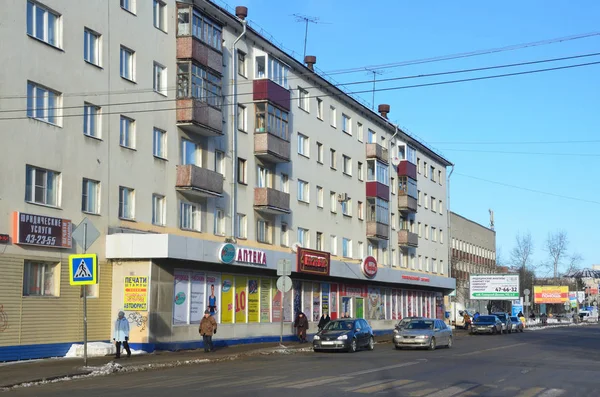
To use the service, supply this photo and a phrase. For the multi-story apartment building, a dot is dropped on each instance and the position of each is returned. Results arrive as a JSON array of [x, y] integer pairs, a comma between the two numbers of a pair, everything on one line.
[[473, 252], [205, 155]]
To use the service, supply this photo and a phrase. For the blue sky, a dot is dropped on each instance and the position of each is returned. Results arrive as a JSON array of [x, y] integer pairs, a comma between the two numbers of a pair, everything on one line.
[[544, 107]]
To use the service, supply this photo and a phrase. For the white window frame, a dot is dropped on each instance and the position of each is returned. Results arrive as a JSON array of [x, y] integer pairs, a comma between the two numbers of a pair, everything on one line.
[[220, 162], [303, 99], [197, 153], [285, 183], [159, 143], [346, 247], [303, 237], [319, 153], [55, 39], [360, 132], [242, 121], [319, 197], [45, 270], [93, 206], [361, 211], [242, 67], [303, 191], [319, 242], [126, 203], [360, 171], [159, 16], [159, 208], [333, 116], [347, 207], [263, 232], [242, 174], [127, 132], [43, 103], [127, 64], [91, 120], [160, 79], [371, 136], [91, 47], [333, 244], [333, 202], [242, 226], [347, 165], [219, 222], [51, 196], [190, 216], [285, 235], [320, 109], [333, 159], [128, 5], [347, 124], [303, 145]]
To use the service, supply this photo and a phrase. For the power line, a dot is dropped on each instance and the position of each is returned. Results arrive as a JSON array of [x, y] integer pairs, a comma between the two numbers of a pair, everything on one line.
[[525, 153], [348, 83], [511, 142], [528, 189], [329, 95]]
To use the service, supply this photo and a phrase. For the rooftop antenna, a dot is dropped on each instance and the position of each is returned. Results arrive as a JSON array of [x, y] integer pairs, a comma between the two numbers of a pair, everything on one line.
[[306, 19], [491, 219], [375, 73]]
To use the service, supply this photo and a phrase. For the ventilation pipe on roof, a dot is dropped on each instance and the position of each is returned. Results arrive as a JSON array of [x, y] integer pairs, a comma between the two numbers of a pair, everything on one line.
[[384, 109], [310, 61]]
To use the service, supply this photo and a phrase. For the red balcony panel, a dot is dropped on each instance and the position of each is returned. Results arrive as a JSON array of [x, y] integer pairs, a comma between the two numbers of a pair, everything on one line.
[[267, 90], [406, 168], [189, 47], [376, 189]]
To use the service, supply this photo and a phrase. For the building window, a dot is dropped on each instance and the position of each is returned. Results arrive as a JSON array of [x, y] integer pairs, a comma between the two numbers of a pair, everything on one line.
[[276, 72], [303, 192], [241, 63], [432, 173], [303, 145], [420, 229], [320, 109], [426, 232], [441, 266], [426, 200], [347, 207], [427, 264], [159, 209], [378, 211], [204, 29], [127, 132], [41, 278], [319, 246], [127, 59], [433, 234], [128, 5], [333, 116], [91, 120], [303, 99], [347, 166], [346, 124], [219, 222], [242, 171], [393, 185], [433, 204], [361, 250], [360, 171], [160, 79], [160, 12], [425, 169], [242, 119], [43, 24], [333, 244], [126, 203], [333, 202], [205, 86], [285, 183], [263, 177], [361, 210], [42, 103], [371, 136], [440, 207], [394, 258], [90, 196], [377, 171], [394, 221], [272, 120], [346, 248], [189, 216], [159, 143], [408, 186], [263, 232], [284, 238], [42, 186], [419, 199], [332, 159], [319, 152], [319, 197], [91, 47], [359, 132], [190, 153], [441, 236], [418, 165], [440, 180], [242, 226], [303, 237], [220, 162]]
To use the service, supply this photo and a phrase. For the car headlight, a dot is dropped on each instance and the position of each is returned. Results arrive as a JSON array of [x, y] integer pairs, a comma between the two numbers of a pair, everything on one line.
[[492, 326], [423, 337], [342, 337], [316, 337], [396, 331]]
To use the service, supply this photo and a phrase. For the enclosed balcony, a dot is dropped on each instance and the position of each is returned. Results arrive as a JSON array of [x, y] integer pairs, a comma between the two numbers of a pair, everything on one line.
[[377, 230], [408, 169], [271, 134], [271, 201], [189, 47], [197, 181], [406, 203], [375, 150], [268, 147], [408, 239], [199, 37], [267, 90]]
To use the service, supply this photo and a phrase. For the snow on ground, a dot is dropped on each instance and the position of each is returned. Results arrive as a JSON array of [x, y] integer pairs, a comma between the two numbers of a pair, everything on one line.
[[557, 325], [97, 349]]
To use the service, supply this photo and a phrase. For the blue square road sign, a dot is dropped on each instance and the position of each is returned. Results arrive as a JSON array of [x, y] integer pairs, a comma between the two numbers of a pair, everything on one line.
[[83, 269]]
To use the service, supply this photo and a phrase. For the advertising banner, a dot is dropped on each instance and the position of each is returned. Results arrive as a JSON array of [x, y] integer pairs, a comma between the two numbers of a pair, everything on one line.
[[265, 300], [197, 298], [550, 294], [42, 231], [307, 298], [394, 304], [313, 262], [517, 307], [316, 312], [325, 298], [494, 286], [227, 296], [253, 301], [213, 287], [241, 292], [287, 306], [135, 294], [277, 295], [297, 285], [333, 301], [181, 301]]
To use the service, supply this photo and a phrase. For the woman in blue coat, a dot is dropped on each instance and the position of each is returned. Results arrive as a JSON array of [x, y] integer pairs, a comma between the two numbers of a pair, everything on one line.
[[121, 334]]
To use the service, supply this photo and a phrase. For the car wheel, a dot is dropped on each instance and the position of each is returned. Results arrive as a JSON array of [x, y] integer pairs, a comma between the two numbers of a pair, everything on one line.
[[398, 347], [371, 344], [352, 347], [432, 344], [449, 345], [316, 350]]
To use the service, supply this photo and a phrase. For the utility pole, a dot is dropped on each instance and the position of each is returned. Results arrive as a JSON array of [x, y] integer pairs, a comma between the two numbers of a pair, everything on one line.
[[307, 19]]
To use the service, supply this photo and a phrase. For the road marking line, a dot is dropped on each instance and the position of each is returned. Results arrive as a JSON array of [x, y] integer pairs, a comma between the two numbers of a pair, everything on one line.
[[477, 391], [421, 393], [412, 386], [552, 393], [368, 384], [383, 386], [530, 392], [246, 381], [453, 390], [319, 382], [370, 371], [290, 384], [490, 349]]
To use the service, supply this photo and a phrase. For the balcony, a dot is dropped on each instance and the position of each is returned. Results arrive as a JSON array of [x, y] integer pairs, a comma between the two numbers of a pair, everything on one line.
[[407, 203], [376, 189], [197, 117], [408, 239], [271, 148], [199, 182], [268, 90], [271, 201], [379, 231], [406, 168], [189, 47], [375, 150]]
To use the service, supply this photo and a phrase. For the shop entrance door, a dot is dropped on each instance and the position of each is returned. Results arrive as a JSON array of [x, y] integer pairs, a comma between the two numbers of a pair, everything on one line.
[[360, 308], [346, 311]]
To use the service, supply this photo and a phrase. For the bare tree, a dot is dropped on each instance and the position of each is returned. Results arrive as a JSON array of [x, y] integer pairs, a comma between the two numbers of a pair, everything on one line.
[[522, 253], [557, 245]]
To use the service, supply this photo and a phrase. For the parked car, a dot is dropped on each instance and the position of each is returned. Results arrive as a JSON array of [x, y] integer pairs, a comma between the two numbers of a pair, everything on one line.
[[516, 324], [404, 322], [424, 332], [345, 334], [506, 323], [487, 325], [588, 316]]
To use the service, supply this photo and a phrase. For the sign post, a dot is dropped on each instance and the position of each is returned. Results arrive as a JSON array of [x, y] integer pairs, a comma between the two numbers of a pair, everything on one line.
[[284, 284]]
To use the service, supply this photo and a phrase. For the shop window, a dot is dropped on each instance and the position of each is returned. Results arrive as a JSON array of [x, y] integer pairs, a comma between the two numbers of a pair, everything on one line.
[[41, 279]]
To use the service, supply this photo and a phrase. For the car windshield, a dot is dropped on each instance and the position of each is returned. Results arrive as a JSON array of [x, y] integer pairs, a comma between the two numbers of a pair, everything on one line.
[[420, 324], [403, 323], [485, 319], [514, 319], [339, 325], [502, 317]]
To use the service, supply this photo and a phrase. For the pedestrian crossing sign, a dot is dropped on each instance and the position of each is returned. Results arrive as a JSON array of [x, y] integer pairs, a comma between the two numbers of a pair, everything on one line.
[[83, 269]]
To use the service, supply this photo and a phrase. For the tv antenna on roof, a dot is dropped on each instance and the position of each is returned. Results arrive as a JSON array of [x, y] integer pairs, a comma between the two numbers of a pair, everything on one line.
[[306, 19], [375, 73]]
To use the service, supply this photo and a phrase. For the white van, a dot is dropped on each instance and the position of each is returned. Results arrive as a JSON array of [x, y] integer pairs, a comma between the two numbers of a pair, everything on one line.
[[588, 316]]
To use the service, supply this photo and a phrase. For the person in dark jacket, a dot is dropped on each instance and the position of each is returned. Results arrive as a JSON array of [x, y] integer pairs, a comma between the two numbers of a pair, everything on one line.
[[301, 325], [325, 319]]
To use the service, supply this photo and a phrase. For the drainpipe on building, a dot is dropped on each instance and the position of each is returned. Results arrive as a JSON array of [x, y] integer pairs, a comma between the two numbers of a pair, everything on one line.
[[390, 214], [241, 13], [452, 307]]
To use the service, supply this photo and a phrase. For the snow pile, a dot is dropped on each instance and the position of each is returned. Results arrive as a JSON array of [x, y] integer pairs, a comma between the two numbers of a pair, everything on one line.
[[557, 325], [97, 349]]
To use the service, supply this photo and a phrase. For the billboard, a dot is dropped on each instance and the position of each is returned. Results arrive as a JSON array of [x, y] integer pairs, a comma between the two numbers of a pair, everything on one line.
[[550, 294], [494, 286]]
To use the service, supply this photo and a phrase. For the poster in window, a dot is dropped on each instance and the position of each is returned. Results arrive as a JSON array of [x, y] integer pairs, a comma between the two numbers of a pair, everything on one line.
[[253, 301], [374, 303], [277, 295], [227, 296], [197, 298], [265, 300], [346, 309], [333, 304], [241, 294], [394, 304], [307, 298], [316, 312], [287, 306], [325, 298], [388, 304], [181, 300], [213, 291], [298, 298]]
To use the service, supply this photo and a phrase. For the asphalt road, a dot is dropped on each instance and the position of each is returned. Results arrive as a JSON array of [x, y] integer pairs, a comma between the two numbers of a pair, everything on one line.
[[548, 363]]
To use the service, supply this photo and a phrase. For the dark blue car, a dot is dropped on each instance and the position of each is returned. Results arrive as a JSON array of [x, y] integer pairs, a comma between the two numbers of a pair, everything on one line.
[[346, 334]]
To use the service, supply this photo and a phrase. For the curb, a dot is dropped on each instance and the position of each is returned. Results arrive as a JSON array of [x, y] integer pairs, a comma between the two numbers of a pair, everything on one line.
[[44, 380]]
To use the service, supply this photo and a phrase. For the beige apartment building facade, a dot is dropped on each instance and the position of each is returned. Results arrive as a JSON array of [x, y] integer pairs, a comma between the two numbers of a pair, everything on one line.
[[205, 155]]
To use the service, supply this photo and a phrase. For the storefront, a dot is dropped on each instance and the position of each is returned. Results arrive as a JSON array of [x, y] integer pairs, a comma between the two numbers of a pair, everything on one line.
[[238, 285]]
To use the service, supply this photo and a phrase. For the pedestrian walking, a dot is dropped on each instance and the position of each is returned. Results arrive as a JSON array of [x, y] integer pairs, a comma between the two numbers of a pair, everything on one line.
[[301, 325], [208, 327], [467, 320], [121, 335], [325, 319]]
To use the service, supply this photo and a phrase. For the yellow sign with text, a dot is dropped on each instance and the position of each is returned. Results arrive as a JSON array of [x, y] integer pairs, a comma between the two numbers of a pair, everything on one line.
[[135, 294]]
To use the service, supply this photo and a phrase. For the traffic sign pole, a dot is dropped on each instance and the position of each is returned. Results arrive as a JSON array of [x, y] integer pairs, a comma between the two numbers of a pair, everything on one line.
[[85, 357]]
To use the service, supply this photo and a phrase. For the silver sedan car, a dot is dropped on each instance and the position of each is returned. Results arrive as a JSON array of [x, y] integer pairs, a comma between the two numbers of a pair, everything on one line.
[[425, 332]]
